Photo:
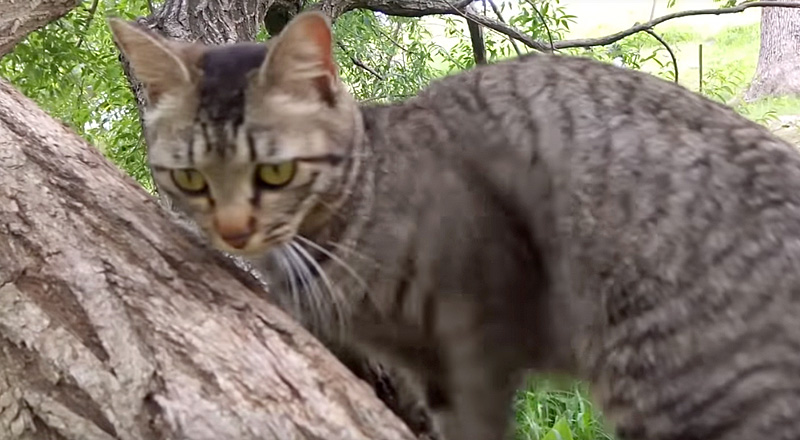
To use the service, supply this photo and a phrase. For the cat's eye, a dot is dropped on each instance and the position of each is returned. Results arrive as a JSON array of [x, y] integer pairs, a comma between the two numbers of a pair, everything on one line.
[[189, 180], [277, 175]]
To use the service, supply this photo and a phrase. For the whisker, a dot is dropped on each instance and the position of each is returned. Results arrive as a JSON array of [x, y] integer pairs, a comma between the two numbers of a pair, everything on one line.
[[335, 258], [309, 285], [289, 269], [352, 250], [337, 299]]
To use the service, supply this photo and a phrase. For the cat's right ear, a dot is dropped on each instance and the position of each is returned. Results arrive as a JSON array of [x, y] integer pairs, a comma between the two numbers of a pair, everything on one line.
[[301, 61], [154, 62]]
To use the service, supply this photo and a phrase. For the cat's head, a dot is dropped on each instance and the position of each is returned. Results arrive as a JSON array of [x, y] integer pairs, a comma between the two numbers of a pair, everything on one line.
[[253, 140]]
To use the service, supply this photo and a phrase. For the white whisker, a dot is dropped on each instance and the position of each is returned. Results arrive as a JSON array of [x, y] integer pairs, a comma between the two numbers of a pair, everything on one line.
[[352, 250], [289, 270], [310, 286], [336, 259], [335, 295]]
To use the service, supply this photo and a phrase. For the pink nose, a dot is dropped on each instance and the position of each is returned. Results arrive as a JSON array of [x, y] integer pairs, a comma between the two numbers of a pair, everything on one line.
[[236, 233]]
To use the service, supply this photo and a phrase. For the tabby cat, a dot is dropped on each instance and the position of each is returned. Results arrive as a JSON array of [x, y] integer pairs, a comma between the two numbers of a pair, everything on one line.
[[545, 213]]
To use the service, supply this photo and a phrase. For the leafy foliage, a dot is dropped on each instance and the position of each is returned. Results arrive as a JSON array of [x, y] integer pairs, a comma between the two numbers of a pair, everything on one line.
[[395, 48], [71, 69]]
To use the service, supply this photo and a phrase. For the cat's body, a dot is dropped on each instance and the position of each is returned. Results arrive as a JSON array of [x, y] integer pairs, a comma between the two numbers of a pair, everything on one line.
[[545, 213]]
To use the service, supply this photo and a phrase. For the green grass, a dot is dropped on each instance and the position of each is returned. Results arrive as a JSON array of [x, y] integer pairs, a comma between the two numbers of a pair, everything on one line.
[[729, 63], [551, 411]]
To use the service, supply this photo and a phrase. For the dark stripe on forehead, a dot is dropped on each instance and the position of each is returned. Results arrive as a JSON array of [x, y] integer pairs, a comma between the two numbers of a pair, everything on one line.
[[224, 82]]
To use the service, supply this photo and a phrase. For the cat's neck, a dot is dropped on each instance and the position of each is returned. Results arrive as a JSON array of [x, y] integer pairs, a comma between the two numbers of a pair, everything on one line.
[[341, 221]]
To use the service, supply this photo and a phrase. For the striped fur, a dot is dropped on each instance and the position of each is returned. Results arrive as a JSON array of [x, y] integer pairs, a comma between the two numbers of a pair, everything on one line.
[[546, 213]]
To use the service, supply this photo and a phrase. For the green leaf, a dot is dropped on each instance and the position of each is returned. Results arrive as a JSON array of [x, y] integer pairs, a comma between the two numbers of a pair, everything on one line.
[[560, 431]]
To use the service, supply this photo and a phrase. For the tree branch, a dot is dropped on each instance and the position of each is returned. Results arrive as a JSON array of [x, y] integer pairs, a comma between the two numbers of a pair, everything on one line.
[[613, 38], [92, 11], [518, 35], [400, 8], [357, 62], [478, 45], [507, 30], [500, 18], [669, 49], [544, 23], [19, 18]]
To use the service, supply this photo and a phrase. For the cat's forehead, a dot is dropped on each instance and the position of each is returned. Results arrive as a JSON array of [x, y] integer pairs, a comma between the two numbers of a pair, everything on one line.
[[203, 128], [225, 76]]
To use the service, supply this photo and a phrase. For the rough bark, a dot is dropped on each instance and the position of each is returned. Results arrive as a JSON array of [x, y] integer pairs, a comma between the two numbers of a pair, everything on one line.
[[115, 323], [401, 8], [18, 18], [779, 55]]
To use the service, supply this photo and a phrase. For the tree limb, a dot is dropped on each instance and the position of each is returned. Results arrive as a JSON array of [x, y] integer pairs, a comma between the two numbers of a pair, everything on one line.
[[507, 30], [518, 35], [357, 62], [613, 38], [478, 45], [19, 18], [400, 8], [117, 324]]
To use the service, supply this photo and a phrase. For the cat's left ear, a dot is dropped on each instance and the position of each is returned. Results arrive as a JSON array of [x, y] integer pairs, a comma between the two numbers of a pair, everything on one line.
[[301, 59], [156, 61]]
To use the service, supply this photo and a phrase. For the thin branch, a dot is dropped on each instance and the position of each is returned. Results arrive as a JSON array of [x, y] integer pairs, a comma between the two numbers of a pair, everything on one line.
[[358, 62], [390, 38], [507, 30], [544, 23], [669, 49], [613, 38], [420, 8], [500, 18], [92, 11]]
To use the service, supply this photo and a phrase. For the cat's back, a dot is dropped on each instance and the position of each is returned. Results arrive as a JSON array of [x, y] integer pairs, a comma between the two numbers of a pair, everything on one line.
[[674, 218]]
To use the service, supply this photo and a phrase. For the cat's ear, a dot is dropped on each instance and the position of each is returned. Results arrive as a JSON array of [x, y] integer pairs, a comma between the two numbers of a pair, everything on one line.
[[301, 61], [155, 61]]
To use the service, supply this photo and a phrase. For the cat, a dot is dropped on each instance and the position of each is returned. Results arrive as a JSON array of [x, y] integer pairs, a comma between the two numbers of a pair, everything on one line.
[[545, 213]]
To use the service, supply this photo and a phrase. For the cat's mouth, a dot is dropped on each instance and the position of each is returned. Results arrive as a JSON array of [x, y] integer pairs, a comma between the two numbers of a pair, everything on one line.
[[253, 246]]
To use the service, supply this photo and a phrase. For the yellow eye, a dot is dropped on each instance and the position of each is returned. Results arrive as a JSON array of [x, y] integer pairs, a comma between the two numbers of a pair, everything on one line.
[[274, 176], [189, 180]]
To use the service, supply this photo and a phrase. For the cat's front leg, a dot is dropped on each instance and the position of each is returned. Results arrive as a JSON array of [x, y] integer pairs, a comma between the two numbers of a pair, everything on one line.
[[474, 402], [477, 411]]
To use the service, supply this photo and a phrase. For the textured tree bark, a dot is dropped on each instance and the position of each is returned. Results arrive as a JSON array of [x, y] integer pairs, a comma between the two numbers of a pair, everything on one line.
[[778, 56], [116, 323], [18, 18]]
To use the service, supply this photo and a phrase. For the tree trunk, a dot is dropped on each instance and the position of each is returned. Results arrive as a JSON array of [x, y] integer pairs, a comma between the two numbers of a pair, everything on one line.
[[779, 55], [115, 323], [19, 18]]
